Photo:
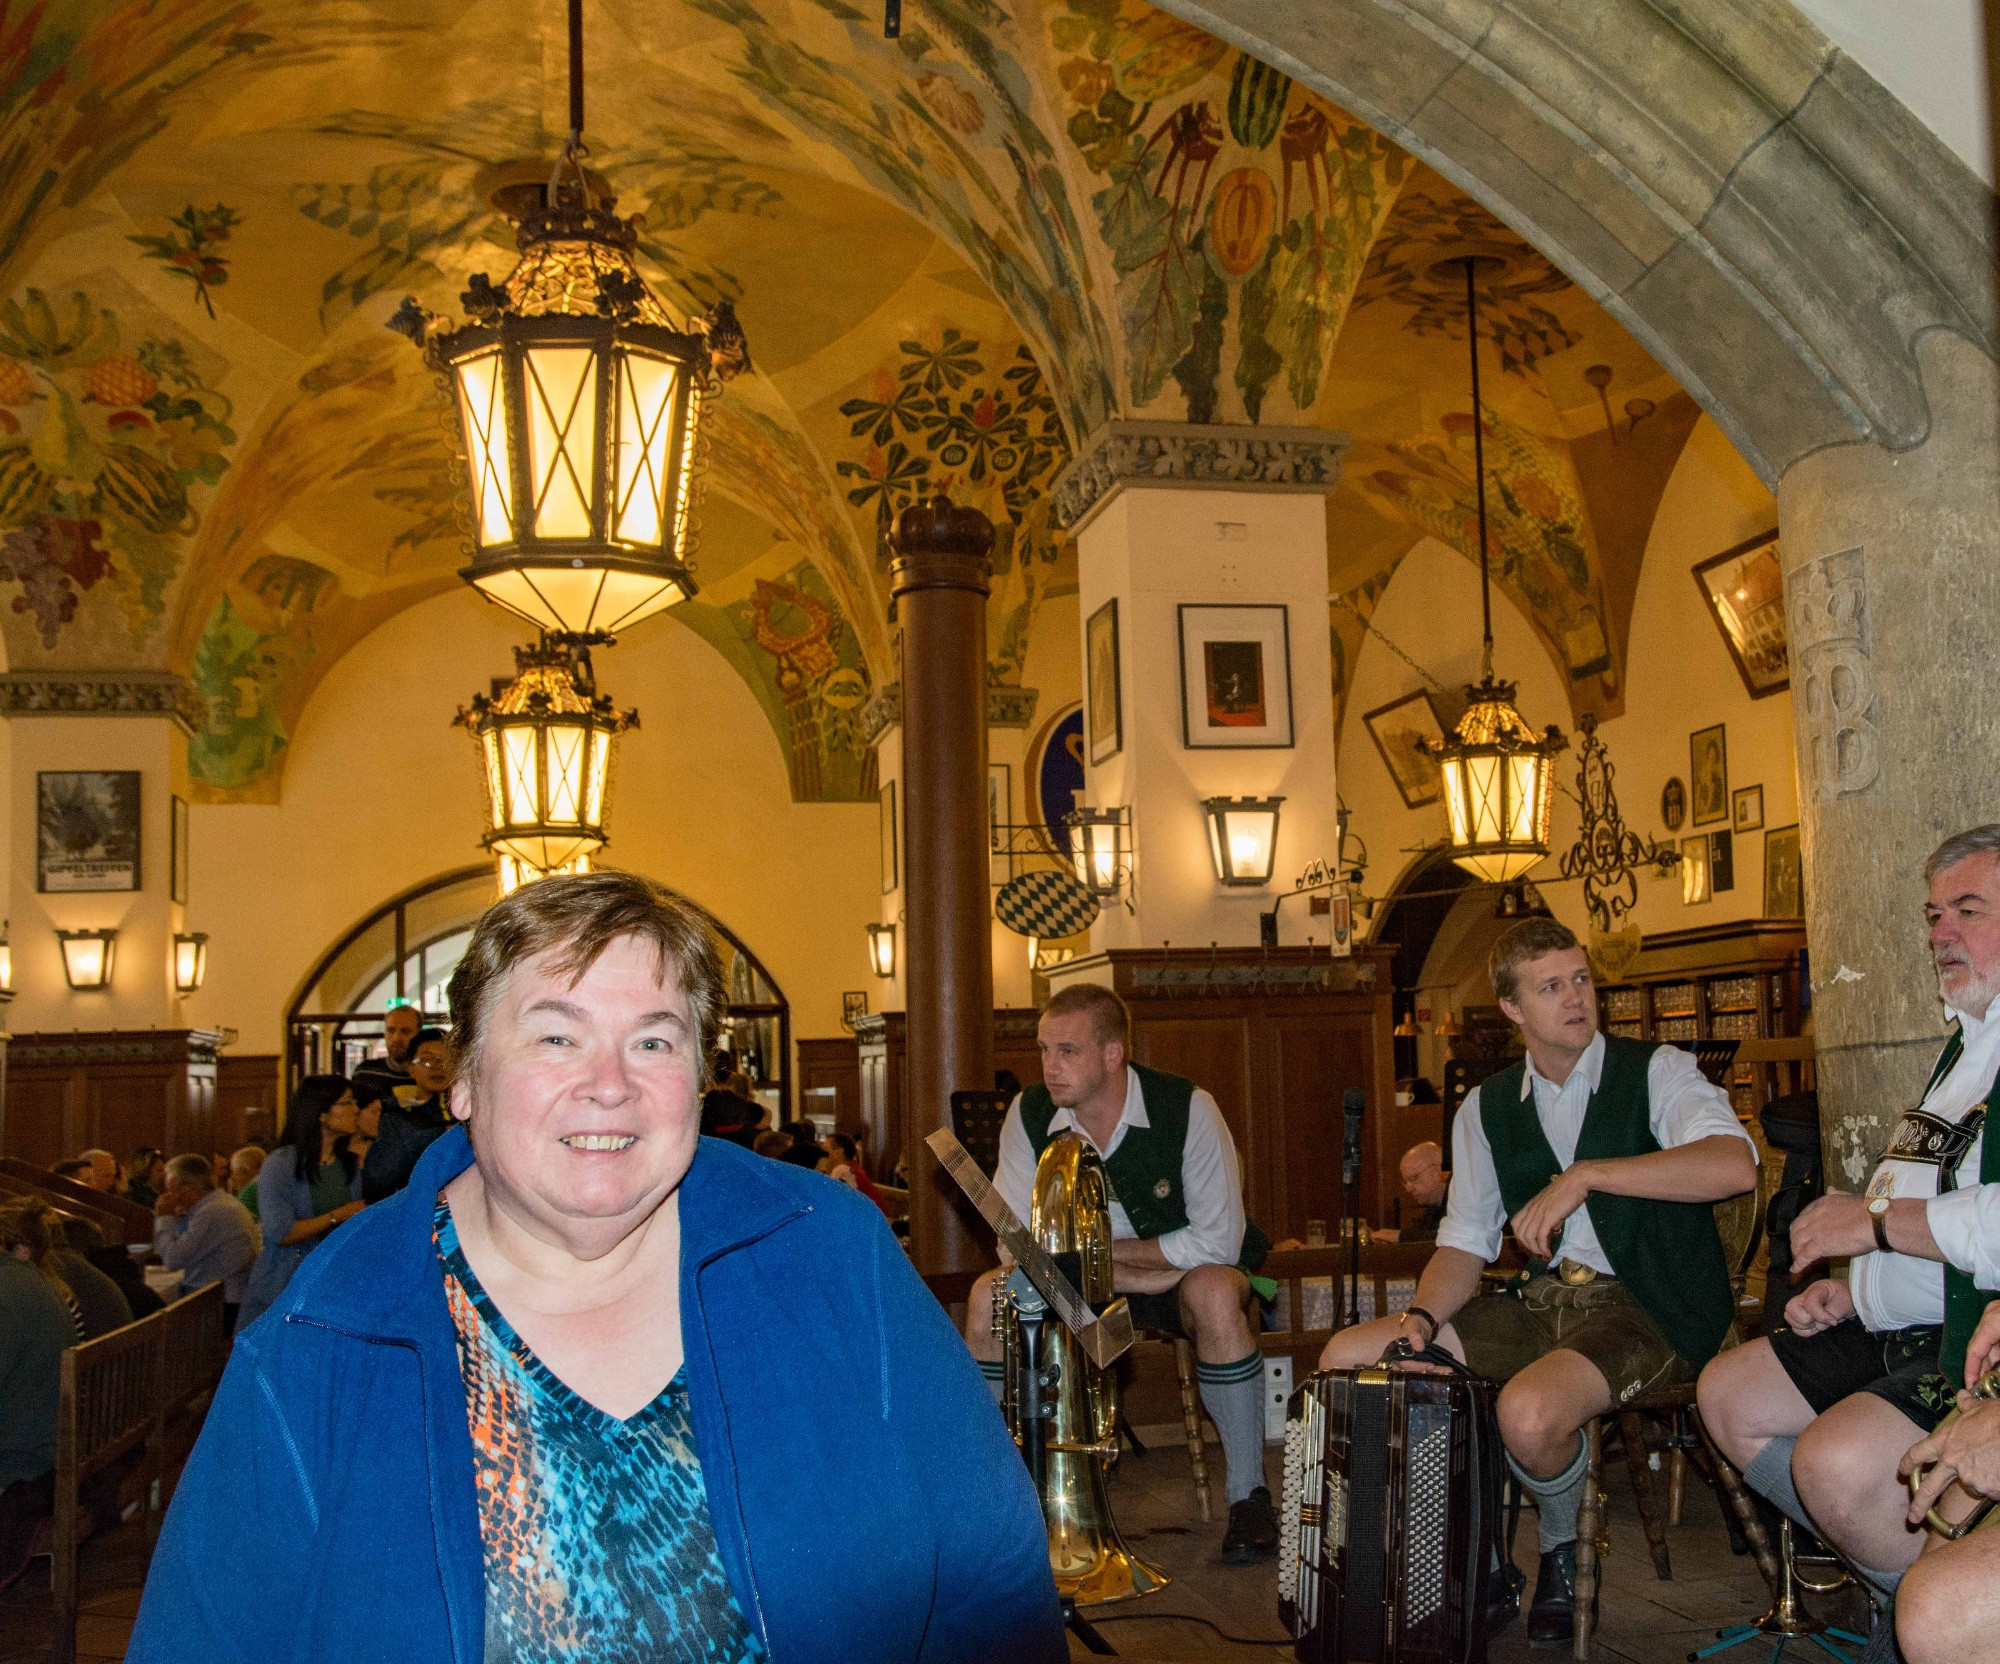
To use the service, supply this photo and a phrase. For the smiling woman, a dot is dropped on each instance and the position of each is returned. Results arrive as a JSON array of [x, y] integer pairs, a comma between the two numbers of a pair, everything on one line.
[[527, 1378]]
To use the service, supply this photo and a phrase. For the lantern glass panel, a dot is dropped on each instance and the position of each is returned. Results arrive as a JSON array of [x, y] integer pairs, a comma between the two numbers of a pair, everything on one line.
[[1456, 807], [6, 968], [190, 963], [1215, 849], [597, 777], [645, 446], [1250, 834], [567, 743], [483, 411], [1485, 783], [496, 790], [1522, 796], [87, 960], [684, 487], [562, 437], [524, 796]]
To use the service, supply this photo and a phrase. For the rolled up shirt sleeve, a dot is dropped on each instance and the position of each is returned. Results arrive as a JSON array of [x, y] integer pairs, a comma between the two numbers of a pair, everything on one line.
[[1966, 1224], [1212, 1185], [1475, 1218], [1686, 1104]]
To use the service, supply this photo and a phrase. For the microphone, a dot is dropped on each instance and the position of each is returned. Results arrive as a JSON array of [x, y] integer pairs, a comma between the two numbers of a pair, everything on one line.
[[1352, 1102]]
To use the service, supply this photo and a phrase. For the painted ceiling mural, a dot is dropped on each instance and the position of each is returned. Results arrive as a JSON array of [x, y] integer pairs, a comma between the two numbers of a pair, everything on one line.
[[956, 253]]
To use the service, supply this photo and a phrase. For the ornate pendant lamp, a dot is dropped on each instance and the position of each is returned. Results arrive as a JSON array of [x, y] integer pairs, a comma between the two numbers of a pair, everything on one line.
[[579, 404], [1498, 774], [546, 741]]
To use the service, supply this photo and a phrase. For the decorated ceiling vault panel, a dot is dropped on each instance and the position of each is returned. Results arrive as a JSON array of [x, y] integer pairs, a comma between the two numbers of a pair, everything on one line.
[[957, 254]]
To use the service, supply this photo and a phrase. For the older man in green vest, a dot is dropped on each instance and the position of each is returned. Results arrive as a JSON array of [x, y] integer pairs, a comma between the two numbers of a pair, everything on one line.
[[1177, 1225], [1605, 1154]]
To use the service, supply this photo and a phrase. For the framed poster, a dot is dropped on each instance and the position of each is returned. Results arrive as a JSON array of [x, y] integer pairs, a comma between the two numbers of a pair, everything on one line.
[[1101, 667], [1674, 803], [886, 810], [1694, 870], [1721, 862], [853, 1007], [1784, 881], [1708, 774], [1396, 729], [177, 865], [87, 831], [999, 806], [1745, 591], [1746, 809], [1236, 677]]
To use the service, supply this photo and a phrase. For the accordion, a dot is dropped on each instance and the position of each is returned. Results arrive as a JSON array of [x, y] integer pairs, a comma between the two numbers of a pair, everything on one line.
[[1391, 1517]]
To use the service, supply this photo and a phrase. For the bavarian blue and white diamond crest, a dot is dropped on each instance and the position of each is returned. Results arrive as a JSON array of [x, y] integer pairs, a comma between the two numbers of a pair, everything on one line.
[[1048, 903]]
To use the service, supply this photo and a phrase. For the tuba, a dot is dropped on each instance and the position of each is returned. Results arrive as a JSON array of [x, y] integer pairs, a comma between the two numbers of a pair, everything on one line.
[[1061, 1408]]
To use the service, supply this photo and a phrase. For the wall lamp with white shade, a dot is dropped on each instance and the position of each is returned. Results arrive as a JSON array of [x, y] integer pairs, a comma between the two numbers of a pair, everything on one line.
[[1242, 838], [882, 949], [87, 956], [190, 961]]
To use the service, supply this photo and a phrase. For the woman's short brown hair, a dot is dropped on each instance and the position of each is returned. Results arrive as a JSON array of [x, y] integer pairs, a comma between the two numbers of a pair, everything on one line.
[[1530, 939], [576, 919]]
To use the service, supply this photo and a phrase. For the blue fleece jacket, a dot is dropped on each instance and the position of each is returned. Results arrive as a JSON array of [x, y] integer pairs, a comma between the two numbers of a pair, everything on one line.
[[867, 1501]]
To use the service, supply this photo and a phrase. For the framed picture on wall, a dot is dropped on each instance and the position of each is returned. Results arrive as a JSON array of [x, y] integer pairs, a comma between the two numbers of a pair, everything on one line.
[[177, 865], [1721, 862], [1708, 774], [853, 1007], [1746, 809], [87, 831], [1694, 871], [886, 810], [1745, 591], [1236, 677], [1784, 882], [1107, 714], [1397, 728], [999, 806]]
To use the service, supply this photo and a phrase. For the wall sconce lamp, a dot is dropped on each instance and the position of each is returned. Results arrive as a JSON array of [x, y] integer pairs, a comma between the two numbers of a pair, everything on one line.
[[882, 949], [6, 961], [1407, 1029], [87, 956], [190, 961], [1242, 838], [1097, 844]]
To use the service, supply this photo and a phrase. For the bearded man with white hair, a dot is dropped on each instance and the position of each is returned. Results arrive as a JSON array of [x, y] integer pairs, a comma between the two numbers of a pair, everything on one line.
[[1820, 1412]]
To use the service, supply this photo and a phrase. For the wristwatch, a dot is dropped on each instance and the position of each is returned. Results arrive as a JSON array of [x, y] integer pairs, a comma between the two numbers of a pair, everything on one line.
[[1878, 1216]]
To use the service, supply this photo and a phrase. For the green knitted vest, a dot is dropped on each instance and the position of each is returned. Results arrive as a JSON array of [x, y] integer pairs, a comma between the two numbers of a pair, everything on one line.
[[1964, 1300], [1669, 1254], [1145, 1169]]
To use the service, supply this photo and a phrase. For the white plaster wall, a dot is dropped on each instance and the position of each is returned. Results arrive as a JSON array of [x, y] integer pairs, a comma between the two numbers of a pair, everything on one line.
[[381, 793]]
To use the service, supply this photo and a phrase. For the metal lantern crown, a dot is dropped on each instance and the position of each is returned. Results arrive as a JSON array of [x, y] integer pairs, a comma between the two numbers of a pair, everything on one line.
[[1498, 777], [546, 741]]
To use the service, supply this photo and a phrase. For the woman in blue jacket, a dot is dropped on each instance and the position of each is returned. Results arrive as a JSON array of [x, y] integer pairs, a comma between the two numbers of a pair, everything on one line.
[[535, 1407]]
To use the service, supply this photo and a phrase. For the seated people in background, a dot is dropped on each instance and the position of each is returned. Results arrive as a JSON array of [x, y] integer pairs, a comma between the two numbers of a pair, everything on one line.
[[76, 1170], [1867, 1367], [1425, 1186], [729, 1109], [100, 1302], [805, 1150], [304, 1191], [849, 1168], [400, 1026], [205, 1233], [104, 1174], [35, 1330], [83, 1237], [501, 1414], [145, 1171], [1591, 1145], [773, 1144], [1177, 1225], [412, 1118], [244, 1166]]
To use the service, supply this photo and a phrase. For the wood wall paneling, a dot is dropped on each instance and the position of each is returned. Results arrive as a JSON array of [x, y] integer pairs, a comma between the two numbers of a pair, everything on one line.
[[115, 1090], [246, 1101]]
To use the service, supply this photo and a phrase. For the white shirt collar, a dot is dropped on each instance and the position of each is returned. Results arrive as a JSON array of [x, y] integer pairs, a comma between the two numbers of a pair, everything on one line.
[[1970, 1027], [1590, 1065], [1132, 1115]]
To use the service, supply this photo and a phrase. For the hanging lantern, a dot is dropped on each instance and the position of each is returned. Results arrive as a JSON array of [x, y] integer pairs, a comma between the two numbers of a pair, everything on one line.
[[1097, 849], [546, 742], [579, 399]]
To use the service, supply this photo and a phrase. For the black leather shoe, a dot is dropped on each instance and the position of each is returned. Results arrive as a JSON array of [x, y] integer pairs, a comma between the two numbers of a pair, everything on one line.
[[1552, 1616], [1253, 1530], [1503, 1597]]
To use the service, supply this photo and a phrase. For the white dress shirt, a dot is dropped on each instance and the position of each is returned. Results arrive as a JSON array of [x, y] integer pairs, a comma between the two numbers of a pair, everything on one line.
[[1211, 1180], [1683, 1108], [1966, 1220]]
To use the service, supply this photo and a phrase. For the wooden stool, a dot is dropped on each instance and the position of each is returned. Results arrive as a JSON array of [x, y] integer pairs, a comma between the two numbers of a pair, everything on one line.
[[1184, 1368]]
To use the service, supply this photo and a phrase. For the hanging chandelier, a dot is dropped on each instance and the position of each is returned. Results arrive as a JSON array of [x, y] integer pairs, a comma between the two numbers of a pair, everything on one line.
[[547, 740], [1498, 775], [579, 401]]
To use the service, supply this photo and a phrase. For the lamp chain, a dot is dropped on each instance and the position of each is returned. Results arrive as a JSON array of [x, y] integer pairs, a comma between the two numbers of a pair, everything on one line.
[[1368, 624], [1478, 466], [576, 71]]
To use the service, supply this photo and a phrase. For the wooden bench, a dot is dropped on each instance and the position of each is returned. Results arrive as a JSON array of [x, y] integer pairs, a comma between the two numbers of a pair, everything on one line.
[[133, 1389], [121, 1221]]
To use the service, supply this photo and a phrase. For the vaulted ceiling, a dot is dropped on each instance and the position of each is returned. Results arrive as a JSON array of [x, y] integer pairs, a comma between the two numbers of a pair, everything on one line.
[[956, 254]]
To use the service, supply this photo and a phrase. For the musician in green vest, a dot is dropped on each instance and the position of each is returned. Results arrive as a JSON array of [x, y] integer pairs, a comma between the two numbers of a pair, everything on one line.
[[1607, 1156], [1178, 1229]]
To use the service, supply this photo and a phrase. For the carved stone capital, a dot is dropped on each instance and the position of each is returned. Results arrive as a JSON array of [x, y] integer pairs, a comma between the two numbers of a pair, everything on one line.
[[1005, 708], [883, 712], [1195, 456], [102, 693]]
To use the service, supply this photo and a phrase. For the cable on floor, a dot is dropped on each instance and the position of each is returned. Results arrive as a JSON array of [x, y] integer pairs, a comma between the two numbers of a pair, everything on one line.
[[1187, 1618]]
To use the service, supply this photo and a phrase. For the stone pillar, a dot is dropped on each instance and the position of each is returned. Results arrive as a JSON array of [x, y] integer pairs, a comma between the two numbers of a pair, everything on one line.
[[1168, 515], [1892, 589], [939, 580]]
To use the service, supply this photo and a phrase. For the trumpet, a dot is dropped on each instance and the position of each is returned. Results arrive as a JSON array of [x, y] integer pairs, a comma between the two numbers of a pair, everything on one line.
[[1987, 1386]]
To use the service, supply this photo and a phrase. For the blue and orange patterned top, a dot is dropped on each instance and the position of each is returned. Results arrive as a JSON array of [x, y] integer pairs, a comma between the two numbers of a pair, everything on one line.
[[596, 1532]]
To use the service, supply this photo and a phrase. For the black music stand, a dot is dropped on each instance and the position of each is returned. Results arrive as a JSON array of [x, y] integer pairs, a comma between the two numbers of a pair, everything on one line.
[[977, 1117]]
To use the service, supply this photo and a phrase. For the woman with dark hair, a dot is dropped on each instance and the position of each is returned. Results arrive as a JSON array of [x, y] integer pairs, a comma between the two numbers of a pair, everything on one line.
[[304, 1189]]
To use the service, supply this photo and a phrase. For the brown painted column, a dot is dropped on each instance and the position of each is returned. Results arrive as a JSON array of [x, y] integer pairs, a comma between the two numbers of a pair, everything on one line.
[[939, 580]]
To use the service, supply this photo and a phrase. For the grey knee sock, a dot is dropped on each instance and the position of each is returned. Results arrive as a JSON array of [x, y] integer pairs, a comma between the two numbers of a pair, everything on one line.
[[996, 1374], [1770, 1476], [1233, 1394], [1557, 1499]]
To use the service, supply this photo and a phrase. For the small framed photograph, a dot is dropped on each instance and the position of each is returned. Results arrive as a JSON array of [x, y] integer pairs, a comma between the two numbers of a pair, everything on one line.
[[87, 831], [999, 806], [1674, 803], [177, 866], [1721, 862], [886, 806], [1694, 871], [1102, 670], [853, 1007], [1746, 809], [1236, 677], [1745, 591], [1397, 730], [1708, 774], [1784, 880]]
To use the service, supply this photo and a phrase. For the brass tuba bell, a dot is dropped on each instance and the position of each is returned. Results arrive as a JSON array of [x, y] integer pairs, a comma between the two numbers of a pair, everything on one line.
[[1061, 1408]]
